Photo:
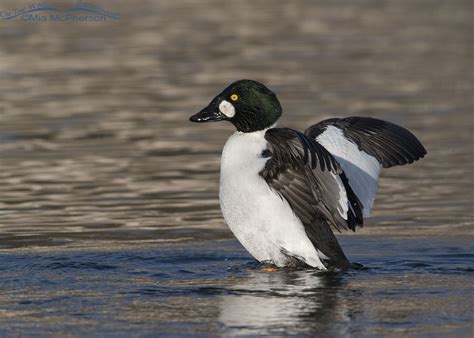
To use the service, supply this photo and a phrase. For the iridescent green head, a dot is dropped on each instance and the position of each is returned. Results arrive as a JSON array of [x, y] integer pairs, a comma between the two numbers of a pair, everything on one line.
[[249, 105]]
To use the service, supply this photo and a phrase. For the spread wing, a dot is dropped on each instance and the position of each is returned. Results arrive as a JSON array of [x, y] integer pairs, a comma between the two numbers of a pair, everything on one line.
[[362, 145], [308, 177]]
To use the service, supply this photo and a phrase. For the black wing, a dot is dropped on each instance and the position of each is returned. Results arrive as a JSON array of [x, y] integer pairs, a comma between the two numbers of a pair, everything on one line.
[[390, 144], [305, 174]]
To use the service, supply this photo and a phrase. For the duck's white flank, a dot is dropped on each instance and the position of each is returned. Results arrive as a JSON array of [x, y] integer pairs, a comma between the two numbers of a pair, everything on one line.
[[260, 219], [361, 169]]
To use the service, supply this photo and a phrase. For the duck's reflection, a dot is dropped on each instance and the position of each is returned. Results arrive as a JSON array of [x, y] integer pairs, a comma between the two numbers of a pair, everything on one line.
[[285, 302]]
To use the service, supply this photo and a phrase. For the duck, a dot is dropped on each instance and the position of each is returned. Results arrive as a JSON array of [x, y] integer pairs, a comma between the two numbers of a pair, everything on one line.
[[283, 192]]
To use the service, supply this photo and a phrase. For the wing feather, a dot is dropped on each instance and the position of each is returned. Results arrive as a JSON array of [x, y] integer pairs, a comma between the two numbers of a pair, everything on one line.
[[361, 146], [304, 173]]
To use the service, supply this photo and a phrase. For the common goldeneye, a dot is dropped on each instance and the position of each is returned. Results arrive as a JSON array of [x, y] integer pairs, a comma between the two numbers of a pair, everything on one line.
[[282, 191]]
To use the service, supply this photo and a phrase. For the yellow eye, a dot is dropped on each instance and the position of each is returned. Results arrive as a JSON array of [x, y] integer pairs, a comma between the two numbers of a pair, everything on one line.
[[234, 97]]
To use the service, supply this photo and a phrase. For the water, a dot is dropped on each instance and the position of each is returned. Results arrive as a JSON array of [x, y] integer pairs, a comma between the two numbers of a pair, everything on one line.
[[412, 286], [109, 218]]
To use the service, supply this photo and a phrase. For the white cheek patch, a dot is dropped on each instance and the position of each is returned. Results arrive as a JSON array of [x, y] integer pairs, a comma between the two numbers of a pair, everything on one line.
[[227, 108]]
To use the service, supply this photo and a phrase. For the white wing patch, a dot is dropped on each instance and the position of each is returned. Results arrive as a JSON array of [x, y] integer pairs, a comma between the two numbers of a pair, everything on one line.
[[361, 169], [343, 202]]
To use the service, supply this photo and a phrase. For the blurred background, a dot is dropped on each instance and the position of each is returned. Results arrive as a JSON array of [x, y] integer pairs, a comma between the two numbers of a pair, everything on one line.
[[109, 215]]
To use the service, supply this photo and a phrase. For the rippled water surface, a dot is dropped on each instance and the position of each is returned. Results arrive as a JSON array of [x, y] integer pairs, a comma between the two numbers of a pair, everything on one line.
[[109, 216]]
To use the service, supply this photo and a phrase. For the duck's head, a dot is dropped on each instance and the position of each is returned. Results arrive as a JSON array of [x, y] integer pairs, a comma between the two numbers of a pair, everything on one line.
[[249, 105]]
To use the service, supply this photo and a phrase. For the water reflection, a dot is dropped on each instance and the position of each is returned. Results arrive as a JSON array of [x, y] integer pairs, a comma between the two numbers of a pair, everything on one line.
[[285, 301]]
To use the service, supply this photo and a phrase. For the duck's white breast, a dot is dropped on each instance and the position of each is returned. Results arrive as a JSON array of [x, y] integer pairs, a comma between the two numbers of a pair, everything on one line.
[[260, 219]]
